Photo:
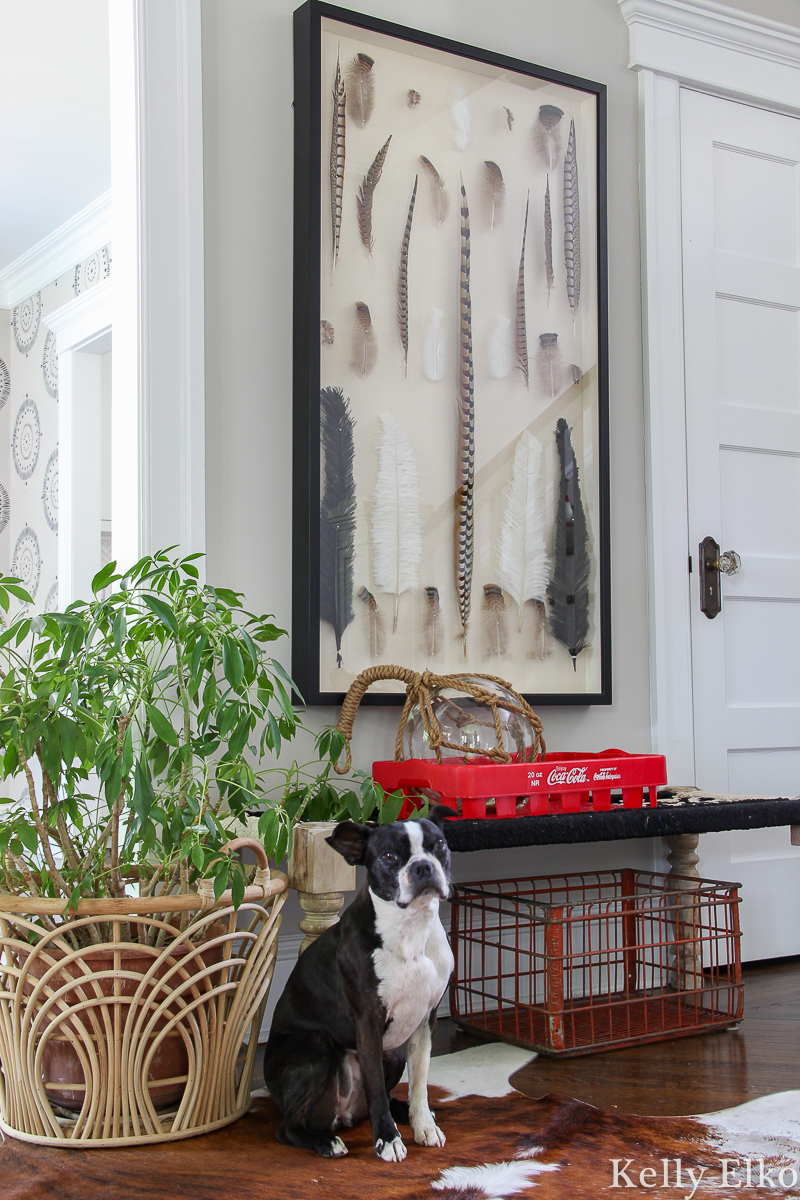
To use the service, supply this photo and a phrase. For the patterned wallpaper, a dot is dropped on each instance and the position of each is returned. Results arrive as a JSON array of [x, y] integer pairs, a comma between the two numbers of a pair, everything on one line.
[[29, 422]]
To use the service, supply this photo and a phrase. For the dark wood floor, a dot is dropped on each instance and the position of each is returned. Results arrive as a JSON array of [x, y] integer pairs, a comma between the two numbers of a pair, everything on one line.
[[686, 1075]]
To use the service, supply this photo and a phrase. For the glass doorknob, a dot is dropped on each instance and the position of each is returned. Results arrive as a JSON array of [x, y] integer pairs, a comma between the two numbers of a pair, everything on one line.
[[728, 563]]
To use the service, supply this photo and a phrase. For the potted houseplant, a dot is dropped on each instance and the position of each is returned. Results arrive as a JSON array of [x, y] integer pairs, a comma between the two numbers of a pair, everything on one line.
[[137, 723]]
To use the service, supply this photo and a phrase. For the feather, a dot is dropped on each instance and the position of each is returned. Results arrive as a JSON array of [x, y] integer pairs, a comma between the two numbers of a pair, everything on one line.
[[575, 372], [548, 135], [413, 97], [366, 193], [541, 638], [326, 333], [495, 621], [495, 193], [572, 224], [522, 566], [361, 88], [402, 280], [569, 586], [465, 527], [522, 329], [548, 241], [500, 354], [441, 201], [549, 362], [377, 630], [337, 164], [432, 623], [396, 521], [365, 343], [433, 356], [460, 116], [337, 514], [509, 117]]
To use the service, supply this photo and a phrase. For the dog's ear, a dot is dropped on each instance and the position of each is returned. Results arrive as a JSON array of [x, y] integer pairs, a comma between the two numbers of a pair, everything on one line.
[[439, 814], [350, 840]]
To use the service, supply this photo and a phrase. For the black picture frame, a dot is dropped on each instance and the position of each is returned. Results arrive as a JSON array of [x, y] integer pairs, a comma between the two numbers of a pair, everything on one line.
[[308, 215]]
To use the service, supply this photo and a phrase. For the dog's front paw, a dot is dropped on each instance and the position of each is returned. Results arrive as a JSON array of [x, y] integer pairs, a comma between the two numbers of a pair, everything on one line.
[[338, 1148], [428, 1133], [393, 1151]]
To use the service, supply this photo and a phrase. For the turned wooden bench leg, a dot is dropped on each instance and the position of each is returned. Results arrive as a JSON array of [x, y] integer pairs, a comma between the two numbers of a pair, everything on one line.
[[686, 961]]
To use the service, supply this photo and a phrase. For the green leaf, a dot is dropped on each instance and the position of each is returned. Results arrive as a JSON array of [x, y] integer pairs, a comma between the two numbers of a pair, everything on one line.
[[143, 795], [390, 810], [282, 843], [197, 654], [198, 857], [237, 889], [103, 577], [20, 593], [274, 735], [163, 611], [350, 800], [268, 830], [163, 728], [232, 665], [127, 751], [69, 739], [220, 878], [114, 781], [27, 835], [119, 629], [227, 596]]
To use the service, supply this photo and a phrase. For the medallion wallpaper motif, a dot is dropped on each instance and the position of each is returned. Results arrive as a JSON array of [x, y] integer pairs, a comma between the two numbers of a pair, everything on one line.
[[29, 427]]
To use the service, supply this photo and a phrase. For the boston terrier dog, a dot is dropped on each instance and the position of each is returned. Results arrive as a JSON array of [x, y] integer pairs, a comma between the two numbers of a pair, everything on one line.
[[362, 999]]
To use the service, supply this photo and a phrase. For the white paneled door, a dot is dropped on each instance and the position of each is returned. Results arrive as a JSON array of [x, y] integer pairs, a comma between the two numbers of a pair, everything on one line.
[[740, 184]]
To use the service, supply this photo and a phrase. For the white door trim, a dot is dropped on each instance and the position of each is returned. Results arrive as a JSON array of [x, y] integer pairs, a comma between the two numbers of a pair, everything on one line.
[[727, 52], [158, 450], [77, 325]]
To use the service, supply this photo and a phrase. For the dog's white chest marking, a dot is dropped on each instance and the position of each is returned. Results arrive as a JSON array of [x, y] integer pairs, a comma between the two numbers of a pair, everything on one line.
[[413, 965]]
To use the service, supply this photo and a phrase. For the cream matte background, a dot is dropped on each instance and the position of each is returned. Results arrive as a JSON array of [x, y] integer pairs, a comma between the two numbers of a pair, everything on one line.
[[248, 149]]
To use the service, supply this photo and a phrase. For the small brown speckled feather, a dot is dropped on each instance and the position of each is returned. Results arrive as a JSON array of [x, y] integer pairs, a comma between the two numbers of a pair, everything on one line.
[[465, 519], [377, 629], [495, 621], [495, 193], [361, 88], [522, 329], [366, 193], [432, 623], [365, 343], [441, 201], [402, 280]]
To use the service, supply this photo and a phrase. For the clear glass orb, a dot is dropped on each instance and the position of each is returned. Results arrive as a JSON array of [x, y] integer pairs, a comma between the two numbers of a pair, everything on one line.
[[469, 723]]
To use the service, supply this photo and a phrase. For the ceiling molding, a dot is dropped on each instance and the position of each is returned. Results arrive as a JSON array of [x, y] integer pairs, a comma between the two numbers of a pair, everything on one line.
[[64, 248], [83, 319], [716, 47]]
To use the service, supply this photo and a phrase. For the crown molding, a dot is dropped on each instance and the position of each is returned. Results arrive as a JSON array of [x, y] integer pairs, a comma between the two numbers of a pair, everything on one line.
[[64, 248], [713, 46], [83, 319]]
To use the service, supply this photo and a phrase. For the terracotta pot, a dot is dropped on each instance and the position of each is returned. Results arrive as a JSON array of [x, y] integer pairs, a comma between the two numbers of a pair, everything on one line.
[[63, 1073]]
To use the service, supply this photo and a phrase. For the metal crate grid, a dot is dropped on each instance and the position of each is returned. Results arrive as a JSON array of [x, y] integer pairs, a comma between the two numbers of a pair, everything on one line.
[[572, 964]]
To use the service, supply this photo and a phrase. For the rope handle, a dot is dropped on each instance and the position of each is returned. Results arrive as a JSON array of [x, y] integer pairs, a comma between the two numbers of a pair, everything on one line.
[[418, 691]]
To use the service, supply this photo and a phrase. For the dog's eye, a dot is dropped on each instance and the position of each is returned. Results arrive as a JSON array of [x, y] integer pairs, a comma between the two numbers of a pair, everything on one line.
[[439, 844], [389, 858]]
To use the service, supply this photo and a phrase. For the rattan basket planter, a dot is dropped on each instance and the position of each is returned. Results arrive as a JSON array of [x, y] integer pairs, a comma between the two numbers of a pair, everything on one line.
[[122, 1016]]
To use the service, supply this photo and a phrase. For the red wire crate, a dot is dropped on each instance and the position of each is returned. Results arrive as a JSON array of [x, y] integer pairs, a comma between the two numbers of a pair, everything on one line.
[[575, 964], [558, 783]]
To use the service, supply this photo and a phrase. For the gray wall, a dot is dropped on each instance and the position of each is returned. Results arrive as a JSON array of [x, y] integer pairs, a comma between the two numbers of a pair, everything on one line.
[[247, 114]]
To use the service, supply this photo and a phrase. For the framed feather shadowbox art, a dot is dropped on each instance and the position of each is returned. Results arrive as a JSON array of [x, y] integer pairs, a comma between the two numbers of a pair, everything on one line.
[[450, 365]]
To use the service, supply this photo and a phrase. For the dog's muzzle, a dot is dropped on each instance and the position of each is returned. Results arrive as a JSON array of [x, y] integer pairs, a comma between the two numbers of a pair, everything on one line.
[[424, 875]]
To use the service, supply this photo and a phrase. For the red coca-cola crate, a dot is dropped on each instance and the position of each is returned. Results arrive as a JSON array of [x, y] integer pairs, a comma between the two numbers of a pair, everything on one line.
[[558, 783]]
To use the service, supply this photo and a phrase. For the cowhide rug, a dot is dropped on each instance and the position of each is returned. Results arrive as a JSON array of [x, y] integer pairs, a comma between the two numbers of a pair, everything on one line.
[[499, 1144]]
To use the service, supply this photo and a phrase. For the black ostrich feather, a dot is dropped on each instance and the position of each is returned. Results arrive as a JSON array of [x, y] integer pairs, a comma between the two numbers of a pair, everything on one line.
[[568, 589], [337, 514]]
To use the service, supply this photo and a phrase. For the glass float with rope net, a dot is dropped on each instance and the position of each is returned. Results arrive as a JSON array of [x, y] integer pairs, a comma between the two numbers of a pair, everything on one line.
[[472, 743]]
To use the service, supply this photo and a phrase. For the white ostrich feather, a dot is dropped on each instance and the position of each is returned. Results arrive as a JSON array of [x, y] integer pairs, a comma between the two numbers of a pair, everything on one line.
[[460, 116], [522, 565], [496, 1180], [500, 354], [433, 350], [396, 521]]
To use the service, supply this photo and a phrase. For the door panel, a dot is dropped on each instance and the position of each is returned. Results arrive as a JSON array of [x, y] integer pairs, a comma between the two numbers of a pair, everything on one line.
[[740, 184]]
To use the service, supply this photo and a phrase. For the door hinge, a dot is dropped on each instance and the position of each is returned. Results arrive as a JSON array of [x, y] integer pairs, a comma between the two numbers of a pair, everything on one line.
[[690, 564]]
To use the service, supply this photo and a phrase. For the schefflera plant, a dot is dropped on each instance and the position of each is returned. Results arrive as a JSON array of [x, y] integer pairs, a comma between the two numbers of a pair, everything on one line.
[[138, 721]]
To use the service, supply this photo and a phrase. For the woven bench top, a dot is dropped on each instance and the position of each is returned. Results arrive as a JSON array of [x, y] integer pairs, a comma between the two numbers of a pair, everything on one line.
[[679, 810]]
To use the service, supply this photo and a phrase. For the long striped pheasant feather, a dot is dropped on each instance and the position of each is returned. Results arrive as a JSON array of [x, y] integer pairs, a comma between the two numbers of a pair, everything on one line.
[[402, 280], [337, 164], [522, 329], [572, 224], [465, 515]]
